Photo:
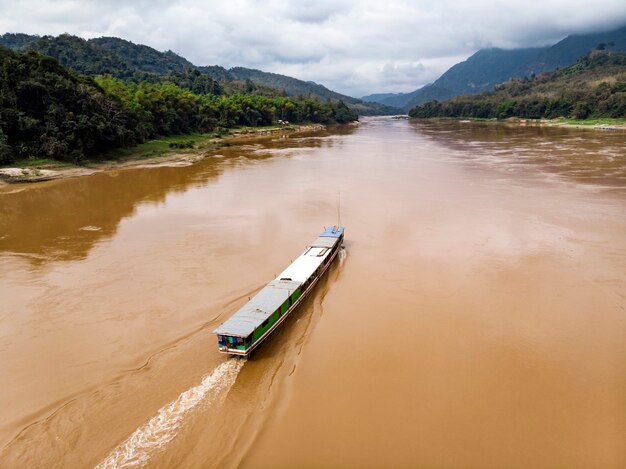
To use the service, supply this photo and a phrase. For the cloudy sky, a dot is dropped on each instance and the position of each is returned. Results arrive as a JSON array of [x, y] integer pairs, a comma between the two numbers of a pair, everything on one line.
[[355, 47]]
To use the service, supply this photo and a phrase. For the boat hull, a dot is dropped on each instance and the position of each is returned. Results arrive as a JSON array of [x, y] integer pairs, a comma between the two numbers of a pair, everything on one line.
[[254, 322]]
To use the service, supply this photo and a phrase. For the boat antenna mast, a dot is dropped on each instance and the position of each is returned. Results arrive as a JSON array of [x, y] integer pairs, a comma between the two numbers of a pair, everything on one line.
[[338, 210]]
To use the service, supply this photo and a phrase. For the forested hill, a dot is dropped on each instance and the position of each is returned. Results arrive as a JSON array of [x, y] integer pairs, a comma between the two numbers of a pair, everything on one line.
[[50, 111], [489, 67], [595, 86], [126, 60], [75, 53], [292, 86], [142, 57]]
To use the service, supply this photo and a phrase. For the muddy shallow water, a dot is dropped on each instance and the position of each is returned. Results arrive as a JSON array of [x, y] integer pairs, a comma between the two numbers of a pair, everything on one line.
[[478, 319]]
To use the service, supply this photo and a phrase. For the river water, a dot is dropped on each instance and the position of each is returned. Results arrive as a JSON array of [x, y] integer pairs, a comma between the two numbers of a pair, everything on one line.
[[477, 319]]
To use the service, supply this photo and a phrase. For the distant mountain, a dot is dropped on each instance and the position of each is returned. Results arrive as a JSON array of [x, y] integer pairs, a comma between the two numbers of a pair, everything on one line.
[[595, 86], [572, 48], [294, 87], [376, 98], [485, 69], [481, 72], [489, 67], [127, 60], [398, 100]]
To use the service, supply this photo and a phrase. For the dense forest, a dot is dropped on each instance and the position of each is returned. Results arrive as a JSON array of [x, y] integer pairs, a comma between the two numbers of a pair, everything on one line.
[[50, 111], [129, 61], [595, 86]]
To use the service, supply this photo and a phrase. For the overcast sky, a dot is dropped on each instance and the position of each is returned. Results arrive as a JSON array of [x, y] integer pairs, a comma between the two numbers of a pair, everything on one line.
[[355, 47]]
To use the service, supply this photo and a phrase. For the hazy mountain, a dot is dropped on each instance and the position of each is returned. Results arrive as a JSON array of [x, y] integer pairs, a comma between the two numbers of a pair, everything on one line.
[[572, 48], [480, 72], [485, 69], [126, 60], [489, 67], [373, 98]]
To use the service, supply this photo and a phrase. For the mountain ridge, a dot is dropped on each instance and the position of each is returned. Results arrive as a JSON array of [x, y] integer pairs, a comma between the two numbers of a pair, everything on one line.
[[465, 77], [593, 87]]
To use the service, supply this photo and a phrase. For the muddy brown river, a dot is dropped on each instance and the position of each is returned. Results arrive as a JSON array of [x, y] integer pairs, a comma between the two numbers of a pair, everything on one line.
[[478, 319]]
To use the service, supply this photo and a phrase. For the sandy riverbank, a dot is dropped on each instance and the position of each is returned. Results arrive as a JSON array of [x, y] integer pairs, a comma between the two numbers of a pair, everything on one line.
[[139, 159], [585, 124], [613, 124]]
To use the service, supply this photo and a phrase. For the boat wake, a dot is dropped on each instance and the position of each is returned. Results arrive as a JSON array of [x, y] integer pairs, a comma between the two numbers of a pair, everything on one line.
[[163, 427], [342, 255]]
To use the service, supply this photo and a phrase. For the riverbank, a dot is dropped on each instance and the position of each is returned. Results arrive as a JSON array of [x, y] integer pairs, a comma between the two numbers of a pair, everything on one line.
[[176, 150], [595, 124]]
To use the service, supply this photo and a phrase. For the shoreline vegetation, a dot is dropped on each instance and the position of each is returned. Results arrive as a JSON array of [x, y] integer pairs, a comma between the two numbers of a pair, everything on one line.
[[50, 113], [173, 150]]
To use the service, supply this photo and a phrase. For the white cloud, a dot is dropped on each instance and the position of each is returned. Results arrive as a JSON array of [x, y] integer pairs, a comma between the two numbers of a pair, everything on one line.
[[355, 47]]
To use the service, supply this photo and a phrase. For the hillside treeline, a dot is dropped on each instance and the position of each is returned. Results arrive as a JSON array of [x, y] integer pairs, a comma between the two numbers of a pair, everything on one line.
[[136, 62], [49, 111], [593, 87]]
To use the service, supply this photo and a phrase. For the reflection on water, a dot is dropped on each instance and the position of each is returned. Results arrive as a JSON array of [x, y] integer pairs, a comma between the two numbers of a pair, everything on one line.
[[62, 220], [478, 319]]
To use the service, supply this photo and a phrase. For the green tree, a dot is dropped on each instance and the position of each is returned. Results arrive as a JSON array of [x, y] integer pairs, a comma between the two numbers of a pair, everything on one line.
[[6, 152]]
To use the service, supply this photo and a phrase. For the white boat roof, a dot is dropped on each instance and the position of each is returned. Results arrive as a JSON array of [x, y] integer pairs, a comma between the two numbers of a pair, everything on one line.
[[304, 266]]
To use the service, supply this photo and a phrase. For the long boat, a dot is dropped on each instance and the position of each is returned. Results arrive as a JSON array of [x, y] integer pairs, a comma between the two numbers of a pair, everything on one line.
[[256, 320]]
